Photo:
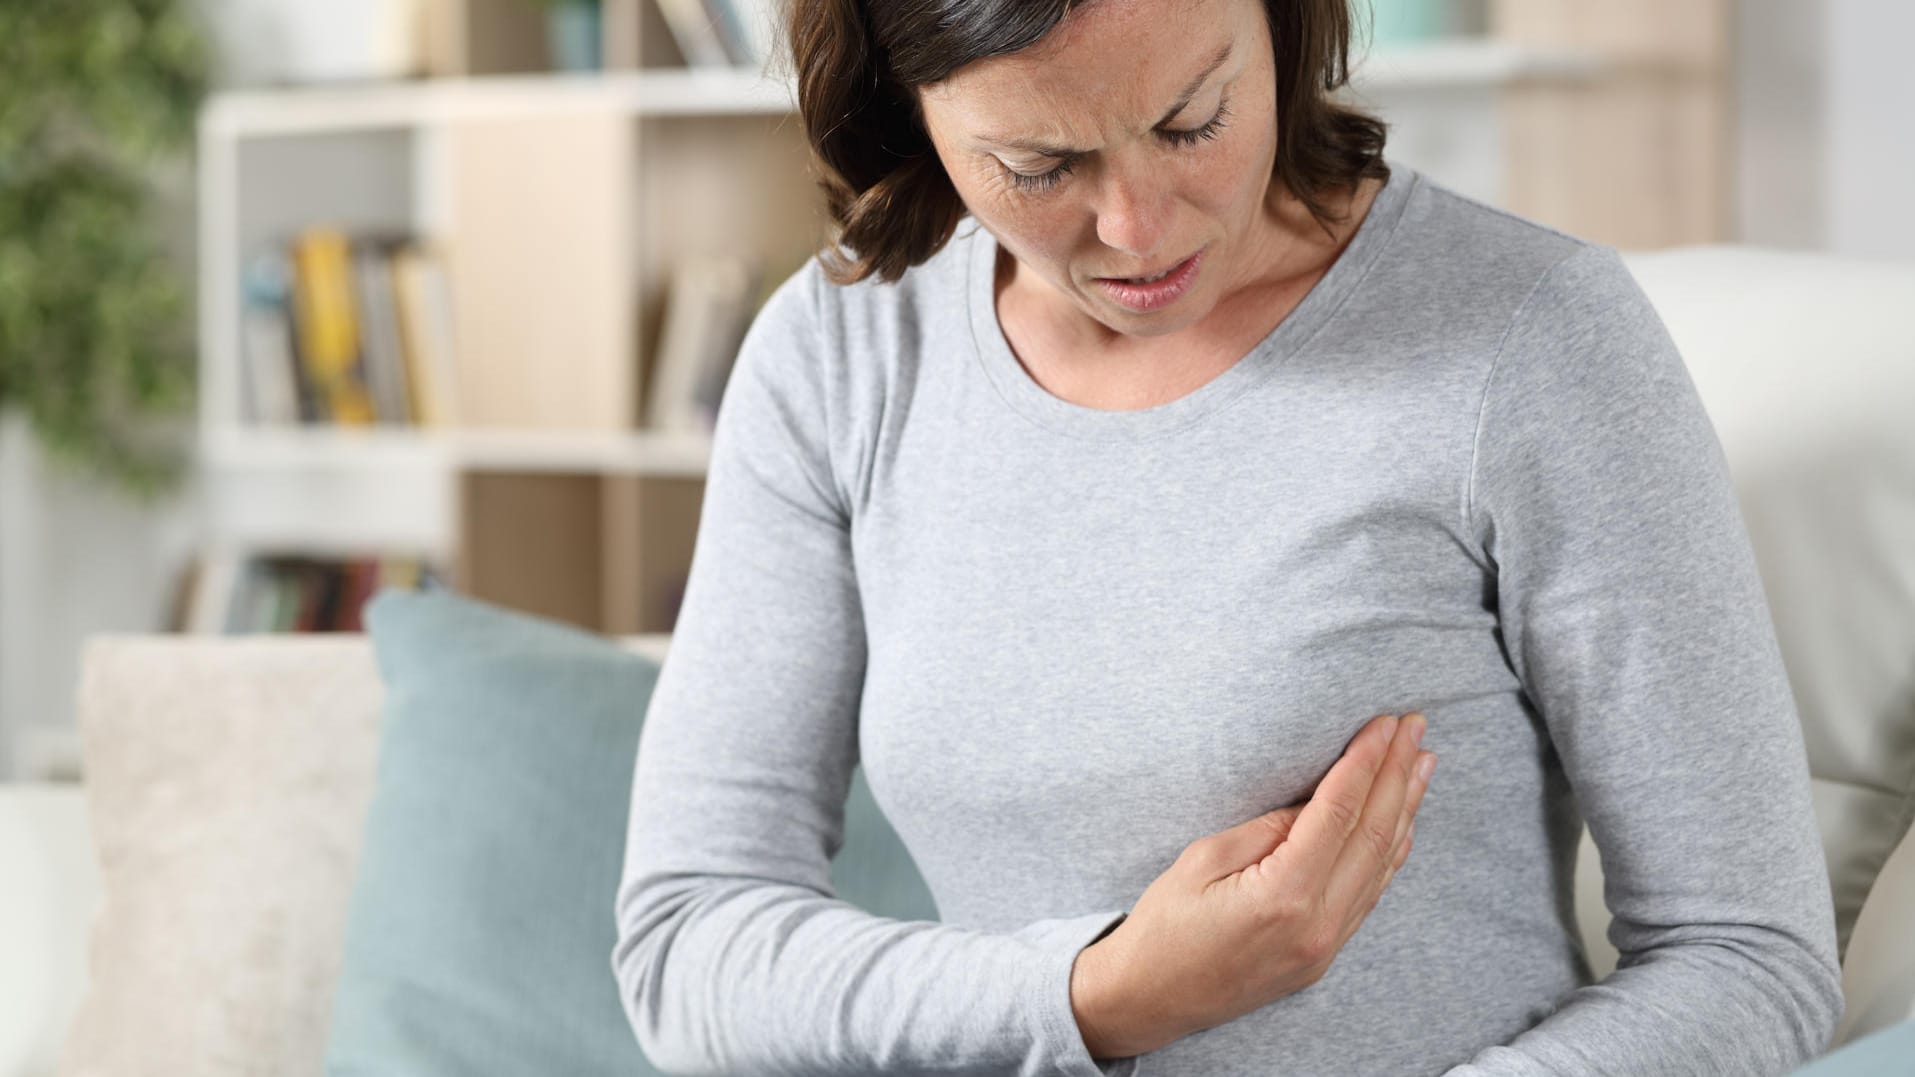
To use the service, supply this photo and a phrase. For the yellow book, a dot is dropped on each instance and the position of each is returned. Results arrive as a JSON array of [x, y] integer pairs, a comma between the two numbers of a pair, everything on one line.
[[328, 324]]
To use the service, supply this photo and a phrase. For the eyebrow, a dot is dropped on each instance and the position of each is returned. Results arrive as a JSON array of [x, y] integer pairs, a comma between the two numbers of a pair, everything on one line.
[[1190, 91]]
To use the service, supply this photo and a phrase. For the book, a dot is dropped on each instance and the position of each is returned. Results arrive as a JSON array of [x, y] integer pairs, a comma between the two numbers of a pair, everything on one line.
[[724, 355], [269, 366], [328, 324], [705, 314], [291, 592], [381, 345], [762, 24], [347, 328], [700, 41], [425, 328], [361, 582], [727, 21], [256, 601], [286, 600], [215, 584]]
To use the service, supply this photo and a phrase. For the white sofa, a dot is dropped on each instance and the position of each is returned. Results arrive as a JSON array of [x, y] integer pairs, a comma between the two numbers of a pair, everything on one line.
[[228, 778]]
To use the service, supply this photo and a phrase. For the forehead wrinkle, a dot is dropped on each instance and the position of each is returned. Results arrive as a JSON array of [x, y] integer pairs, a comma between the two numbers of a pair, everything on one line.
[[1048, 149]]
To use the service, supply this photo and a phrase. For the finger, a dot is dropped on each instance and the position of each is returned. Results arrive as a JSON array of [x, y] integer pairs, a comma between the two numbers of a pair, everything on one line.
[[1406, 833], [1406, 840], [1366, 856], [1417, 788], [1230, 851], [1320, 832], [1402, 856]]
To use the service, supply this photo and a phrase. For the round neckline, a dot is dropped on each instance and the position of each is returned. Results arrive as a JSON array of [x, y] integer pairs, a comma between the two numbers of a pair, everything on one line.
[[1023, 394]]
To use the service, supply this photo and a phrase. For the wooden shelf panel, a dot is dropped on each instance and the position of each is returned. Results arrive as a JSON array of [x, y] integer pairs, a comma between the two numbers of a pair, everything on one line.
[[389, 448], [610, 553]]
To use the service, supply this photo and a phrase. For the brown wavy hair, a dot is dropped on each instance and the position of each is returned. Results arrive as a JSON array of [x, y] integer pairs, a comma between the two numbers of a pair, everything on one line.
[[892, 204]]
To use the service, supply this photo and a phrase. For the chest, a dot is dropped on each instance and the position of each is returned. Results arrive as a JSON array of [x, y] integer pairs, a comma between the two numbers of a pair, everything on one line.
[[1155, 616]]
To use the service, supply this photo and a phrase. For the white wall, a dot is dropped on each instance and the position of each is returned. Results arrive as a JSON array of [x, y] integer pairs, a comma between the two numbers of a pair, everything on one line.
[[1826, 94], [1780, 101], [76, 557], [1869, 173]]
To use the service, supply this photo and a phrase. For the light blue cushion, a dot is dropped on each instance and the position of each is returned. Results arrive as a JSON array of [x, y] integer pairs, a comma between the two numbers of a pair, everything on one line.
[[1888, 1052], [480, 931]]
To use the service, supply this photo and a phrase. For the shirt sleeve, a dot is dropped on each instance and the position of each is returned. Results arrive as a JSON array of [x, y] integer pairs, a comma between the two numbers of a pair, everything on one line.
[[733, 953], [1632, 611]]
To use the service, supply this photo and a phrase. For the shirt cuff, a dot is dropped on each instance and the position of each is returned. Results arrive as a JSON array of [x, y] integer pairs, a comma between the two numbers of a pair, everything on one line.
[[1066, 942]]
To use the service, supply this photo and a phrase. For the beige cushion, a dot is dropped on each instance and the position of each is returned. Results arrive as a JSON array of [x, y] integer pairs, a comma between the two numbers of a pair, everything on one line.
[[227, 782], [227, 786]]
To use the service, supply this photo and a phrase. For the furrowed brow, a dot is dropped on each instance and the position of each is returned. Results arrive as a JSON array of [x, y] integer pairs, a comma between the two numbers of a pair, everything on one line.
[[1047, 149]]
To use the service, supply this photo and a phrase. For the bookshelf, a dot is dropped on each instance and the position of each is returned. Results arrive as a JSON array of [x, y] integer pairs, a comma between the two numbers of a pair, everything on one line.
[[562, 204]]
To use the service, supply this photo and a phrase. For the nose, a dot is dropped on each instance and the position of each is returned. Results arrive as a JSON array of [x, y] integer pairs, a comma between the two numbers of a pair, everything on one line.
[[1134, 213]]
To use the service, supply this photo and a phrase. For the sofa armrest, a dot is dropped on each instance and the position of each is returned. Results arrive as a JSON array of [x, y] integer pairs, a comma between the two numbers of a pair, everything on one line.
[[1878, 978], [1592, 914], [47, 905]]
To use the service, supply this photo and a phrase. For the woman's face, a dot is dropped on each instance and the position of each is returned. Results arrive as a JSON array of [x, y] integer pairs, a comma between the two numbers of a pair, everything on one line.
[[1136, 134]]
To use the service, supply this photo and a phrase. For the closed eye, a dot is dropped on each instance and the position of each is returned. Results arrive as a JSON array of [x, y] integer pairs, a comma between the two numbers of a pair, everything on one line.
[[1046, 180]]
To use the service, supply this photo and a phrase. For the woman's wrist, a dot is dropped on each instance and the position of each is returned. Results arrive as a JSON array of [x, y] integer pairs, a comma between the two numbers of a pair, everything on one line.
[[1099, 1003]]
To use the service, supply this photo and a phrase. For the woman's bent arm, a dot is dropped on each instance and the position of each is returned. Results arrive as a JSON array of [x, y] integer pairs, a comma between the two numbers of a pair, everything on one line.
[[1632, 611]]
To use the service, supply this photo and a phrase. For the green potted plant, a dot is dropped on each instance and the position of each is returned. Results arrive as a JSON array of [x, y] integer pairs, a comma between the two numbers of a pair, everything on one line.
[[96, 346]]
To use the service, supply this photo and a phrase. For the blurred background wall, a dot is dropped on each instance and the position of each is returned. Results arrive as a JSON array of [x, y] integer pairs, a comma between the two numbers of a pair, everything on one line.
[[1825, 158], [1807, 129]]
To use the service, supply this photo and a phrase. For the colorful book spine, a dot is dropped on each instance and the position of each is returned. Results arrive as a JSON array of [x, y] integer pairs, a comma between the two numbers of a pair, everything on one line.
[[284, 592], [382, 348], [328, 325]]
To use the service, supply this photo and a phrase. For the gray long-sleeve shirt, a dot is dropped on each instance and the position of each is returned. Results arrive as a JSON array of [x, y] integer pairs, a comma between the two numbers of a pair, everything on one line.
[[1468, 475]]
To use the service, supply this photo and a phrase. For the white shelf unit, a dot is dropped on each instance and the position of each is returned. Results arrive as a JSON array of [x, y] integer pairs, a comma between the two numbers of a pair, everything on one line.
[[684, 149], [389, 129]]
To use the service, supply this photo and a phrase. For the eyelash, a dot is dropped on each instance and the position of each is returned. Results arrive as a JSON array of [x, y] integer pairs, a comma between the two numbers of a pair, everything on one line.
[[1047, 180]]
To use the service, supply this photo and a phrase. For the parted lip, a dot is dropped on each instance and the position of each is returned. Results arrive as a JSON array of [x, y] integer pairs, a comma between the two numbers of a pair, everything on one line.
[[1152, 272]]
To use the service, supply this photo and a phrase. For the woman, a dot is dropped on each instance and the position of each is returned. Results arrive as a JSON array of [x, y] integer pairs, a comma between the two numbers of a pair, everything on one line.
[[1104, 581]]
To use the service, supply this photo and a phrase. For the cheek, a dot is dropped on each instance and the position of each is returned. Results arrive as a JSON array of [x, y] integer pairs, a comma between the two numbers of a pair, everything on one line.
[[1034, 228], [1236, 173], [1036, 240]]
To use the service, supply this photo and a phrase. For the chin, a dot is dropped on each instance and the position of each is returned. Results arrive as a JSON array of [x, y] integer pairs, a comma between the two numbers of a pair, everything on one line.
[[1151, 325]]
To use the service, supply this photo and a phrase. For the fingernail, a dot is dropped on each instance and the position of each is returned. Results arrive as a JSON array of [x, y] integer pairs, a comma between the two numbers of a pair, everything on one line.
[[1416, 730], [1424, 766], [1389, 728]]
